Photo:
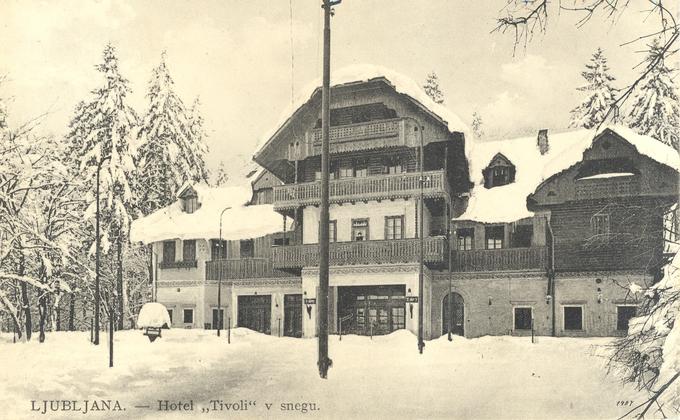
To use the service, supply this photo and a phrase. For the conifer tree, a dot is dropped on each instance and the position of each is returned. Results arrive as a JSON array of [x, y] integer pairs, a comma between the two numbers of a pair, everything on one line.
[[221, 177], [432, 89], [599, 93], [655, 110], [477, 126], [172, 145]]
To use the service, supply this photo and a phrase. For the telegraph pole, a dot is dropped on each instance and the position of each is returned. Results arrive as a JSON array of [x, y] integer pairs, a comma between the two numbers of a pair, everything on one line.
[[97, 298], [324, 362]]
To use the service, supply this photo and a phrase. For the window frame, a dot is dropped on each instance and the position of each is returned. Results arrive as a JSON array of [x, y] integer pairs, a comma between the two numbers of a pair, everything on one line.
[[252, 248], [514, 236], [564, 318], [166, 246], [495, 243], [332, 234], [625, 305], [465, 239], [514, 317], [598, 221], [186, 245], [392, 219], [217, 250], [366, 228], [184, 315]]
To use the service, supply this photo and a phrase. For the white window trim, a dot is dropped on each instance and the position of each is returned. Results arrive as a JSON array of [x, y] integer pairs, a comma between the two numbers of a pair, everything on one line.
[[513, 315], [583, 316], [625, 305]]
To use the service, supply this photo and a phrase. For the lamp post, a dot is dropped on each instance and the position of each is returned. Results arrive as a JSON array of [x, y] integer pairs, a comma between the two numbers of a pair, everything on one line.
[[97, 298], [219, 279]]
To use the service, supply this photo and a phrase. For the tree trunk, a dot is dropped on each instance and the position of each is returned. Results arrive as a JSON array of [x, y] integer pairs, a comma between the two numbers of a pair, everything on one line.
[[55, 314], [42, 310], [119, 285], [25, 303], [71, 313]]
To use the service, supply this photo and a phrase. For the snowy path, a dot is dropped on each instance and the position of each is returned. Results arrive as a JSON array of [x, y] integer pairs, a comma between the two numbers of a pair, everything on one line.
[[489, 377]]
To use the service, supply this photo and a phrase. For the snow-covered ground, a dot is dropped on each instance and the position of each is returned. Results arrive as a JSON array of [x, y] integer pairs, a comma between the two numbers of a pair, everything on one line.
[[488, 377]]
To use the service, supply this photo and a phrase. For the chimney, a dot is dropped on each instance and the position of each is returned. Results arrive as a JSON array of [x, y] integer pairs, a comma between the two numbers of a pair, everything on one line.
[[542, 142]]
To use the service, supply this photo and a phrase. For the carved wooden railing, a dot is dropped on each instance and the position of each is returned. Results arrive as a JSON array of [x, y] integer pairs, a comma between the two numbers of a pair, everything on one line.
[[177, 264], [367, 188], [360, 131], [246, 268], [500, 259], [362, 252]]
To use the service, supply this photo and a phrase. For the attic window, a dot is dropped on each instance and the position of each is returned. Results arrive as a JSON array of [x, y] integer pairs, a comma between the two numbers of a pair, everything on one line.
[[190, 204], [499, 172]]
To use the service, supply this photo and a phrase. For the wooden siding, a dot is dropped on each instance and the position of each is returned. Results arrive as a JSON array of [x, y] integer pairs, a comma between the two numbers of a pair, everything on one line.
[[634, 241], [500, 259], [245, 268]]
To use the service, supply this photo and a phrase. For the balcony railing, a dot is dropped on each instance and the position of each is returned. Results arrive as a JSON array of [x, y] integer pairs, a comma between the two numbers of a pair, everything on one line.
[[247, 268], [368, 252], [500, 259], [368, 188], [177, 264]]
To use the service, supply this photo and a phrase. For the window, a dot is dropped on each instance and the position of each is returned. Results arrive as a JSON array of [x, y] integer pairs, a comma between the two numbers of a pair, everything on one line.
[[170, 315], [394, 227], [359, 229], [600, 224], [393, 166], [218, 250], [466, 239], [332, 231], [169, 251], [346, 172], [501, 176], [573, 318], [190, 204], [361, 169], [281, 241], [623, 314], [523, 318], [494, 237], [188, 316], [499, 172], [521, 237], [189, 250], [247, 248]]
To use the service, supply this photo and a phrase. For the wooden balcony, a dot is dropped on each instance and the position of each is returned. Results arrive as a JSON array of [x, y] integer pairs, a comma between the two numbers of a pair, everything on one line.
[[246, 268], [377, 187], [500, 259], [368, 252], [164, 265]]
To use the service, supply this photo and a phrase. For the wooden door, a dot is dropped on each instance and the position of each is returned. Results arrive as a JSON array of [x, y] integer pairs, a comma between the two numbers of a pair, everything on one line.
[[254, 312], [458, 315]]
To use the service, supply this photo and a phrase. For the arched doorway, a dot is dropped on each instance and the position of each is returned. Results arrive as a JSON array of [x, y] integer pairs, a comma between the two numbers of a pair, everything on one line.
[[458, 311]]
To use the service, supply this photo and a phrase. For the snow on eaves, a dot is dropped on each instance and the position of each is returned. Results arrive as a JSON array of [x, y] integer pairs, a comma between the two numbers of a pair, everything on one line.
[[363, 73], [238, 222], [507, 203]]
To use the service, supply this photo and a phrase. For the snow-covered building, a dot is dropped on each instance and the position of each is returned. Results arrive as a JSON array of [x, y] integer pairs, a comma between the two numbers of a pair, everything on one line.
[[551, 232], [557, 228]]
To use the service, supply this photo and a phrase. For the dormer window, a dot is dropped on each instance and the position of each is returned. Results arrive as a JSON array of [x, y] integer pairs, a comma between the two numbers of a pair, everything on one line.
[[499, 172], [189, 200]]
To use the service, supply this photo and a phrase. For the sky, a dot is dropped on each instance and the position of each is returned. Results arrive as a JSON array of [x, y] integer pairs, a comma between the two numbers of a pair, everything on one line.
[[238, 58]]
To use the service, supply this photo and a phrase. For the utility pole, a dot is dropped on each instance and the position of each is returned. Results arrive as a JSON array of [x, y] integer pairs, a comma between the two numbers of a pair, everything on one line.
[[97, 298], [220, 247], [324, 362], [421, 311]]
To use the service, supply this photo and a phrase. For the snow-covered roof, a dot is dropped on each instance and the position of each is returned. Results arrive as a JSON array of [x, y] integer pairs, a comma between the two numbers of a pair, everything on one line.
[[238, 222], [363, 73], [507, 203]]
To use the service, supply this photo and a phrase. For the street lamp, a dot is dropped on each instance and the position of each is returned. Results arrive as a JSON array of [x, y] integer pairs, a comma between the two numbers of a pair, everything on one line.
[[97, 245], [219, 279]]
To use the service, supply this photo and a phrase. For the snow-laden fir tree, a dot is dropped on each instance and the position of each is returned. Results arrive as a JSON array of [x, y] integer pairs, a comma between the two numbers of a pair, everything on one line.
[[221, 176], [103, 131], [172, 147], [655, 109], [477, 126], [432, 89], [600, 94]]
